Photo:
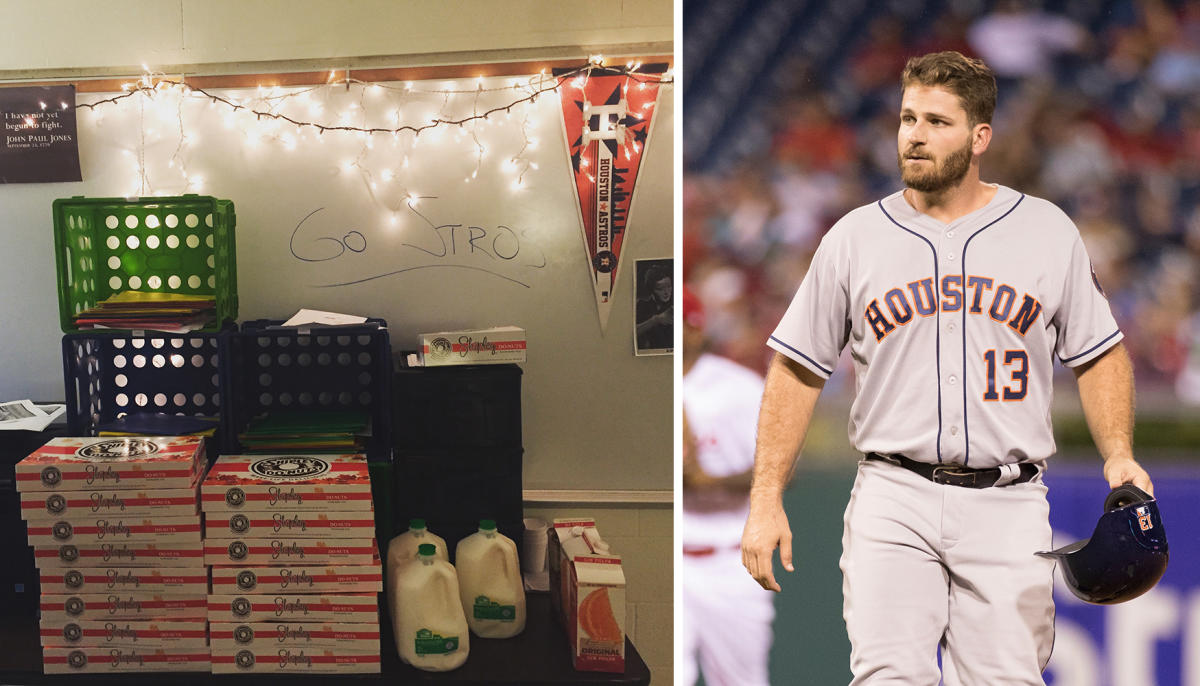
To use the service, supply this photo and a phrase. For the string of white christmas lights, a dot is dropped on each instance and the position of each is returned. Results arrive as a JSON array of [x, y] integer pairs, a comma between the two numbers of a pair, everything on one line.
[[268, 103], [149, 86]]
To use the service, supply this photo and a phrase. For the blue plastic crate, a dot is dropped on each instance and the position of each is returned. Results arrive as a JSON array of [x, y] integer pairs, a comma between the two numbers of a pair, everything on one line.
[[272, 367], [113, 374]]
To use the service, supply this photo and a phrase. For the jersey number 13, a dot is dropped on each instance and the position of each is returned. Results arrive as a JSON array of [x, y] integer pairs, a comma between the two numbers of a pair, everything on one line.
[[1017, 364]]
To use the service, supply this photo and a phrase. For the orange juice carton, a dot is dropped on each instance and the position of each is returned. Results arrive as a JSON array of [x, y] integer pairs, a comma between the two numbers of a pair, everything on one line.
[[298, 579], [293, 660], [149, 529], [228, 637], [587, 589], [287, 483], [155, 633], [498, 345], [109, 659], [42, 506], [289, 551], [130, 463], [294, 607], [291, 524], [121, 579], [129, 554], [123, 605]]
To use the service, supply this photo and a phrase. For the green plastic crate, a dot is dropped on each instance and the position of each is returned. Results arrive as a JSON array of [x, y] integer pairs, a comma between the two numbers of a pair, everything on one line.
[[179, 244]]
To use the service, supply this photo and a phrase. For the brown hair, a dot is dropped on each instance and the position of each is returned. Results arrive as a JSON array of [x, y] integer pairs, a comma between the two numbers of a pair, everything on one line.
[[970, 79]]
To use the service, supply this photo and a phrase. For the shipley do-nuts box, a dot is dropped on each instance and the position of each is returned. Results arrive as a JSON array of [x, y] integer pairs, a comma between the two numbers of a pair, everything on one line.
[[124, 529], [123, 605], [276, 660], [292, 524], [40, 506], [297, 579], [131, 554], [289, 551], [343, 636], [120, 579], [294, 607], [142, 462], [157, 633], [287, 483], [106, 659], [499, 345]]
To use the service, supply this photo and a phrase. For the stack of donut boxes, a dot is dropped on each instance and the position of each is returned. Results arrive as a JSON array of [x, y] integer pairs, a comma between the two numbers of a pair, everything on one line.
[[116, 534], [295, 565], [125, 569]]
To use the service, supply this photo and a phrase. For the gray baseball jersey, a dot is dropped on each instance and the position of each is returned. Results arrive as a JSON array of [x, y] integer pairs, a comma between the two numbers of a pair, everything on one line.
[[952, 328]]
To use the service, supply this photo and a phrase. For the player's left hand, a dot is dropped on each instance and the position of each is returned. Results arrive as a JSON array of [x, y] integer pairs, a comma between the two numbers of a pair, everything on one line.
[[1120, 470]]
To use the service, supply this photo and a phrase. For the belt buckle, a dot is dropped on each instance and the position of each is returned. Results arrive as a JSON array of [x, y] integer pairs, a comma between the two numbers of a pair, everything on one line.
[[953, 475]]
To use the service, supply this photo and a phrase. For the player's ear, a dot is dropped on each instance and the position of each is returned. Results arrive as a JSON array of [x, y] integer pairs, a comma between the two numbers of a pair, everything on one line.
[[981, 137]]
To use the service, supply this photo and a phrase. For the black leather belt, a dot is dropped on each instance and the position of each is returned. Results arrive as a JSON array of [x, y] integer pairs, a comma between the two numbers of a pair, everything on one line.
[[956, 474]]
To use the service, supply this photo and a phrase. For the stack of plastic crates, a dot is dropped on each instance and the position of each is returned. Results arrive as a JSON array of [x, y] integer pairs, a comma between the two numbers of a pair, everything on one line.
[[457, 433], [104, 246]]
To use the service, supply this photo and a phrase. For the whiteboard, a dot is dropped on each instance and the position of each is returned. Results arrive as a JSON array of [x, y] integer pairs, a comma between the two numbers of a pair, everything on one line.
[[457, 227]]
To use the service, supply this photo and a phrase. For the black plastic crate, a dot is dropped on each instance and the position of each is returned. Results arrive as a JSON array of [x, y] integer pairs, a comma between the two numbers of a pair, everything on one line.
[[272, 367], [111, 375], [470, 406], [442, 486], [451, 462]]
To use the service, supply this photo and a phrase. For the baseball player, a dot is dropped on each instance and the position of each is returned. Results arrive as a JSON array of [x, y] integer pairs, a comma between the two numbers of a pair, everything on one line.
[[726, 617], [954, 297]]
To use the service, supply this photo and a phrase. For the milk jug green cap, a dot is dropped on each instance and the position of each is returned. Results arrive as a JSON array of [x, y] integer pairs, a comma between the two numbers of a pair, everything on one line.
[[427, 549], [416, 523], [487, 525]]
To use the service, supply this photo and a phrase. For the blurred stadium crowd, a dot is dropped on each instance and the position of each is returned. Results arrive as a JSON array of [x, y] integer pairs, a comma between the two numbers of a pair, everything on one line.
[[1099, 112]]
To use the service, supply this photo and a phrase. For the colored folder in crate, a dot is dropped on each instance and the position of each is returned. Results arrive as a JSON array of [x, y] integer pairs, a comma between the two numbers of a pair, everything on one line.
[[331, 431], [149, 310]]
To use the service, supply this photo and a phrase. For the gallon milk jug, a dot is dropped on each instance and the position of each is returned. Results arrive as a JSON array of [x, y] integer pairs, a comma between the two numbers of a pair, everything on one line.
[[427, 615], [403, 548], [489, 576]]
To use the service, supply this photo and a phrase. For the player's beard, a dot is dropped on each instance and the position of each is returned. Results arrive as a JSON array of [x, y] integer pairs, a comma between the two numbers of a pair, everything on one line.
[[945, 173]]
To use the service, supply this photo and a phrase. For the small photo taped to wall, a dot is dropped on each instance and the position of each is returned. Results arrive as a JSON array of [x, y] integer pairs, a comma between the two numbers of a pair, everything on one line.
[[654, 313]]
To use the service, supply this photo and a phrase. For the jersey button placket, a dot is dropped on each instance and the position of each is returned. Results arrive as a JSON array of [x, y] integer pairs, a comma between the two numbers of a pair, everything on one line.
[[952, 446]]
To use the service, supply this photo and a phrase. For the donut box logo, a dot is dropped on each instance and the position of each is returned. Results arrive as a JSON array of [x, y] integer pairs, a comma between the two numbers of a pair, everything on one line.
[[440, 348], [124, 448], [238, 550], [51, 476], [72, 632], [235, 497], [239, 524], [289, 468], [55, 504]]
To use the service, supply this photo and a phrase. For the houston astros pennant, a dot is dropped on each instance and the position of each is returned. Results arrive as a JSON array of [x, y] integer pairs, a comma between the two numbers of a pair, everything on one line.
[[606, 116]]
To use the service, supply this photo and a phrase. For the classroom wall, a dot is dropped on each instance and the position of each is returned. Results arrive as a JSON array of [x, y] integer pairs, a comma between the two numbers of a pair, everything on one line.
[[84, 38], [106, 36]]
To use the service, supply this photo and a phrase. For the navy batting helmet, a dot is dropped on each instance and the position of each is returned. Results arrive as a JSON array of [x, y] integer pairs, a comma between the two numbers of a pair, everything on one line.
[[1126, 555]]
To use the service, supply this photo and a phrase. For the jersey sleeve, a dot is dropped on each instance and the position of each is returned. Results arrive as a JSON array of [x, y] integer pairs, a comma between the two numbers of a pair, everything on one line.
[[1085, 324], [816, 326]]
